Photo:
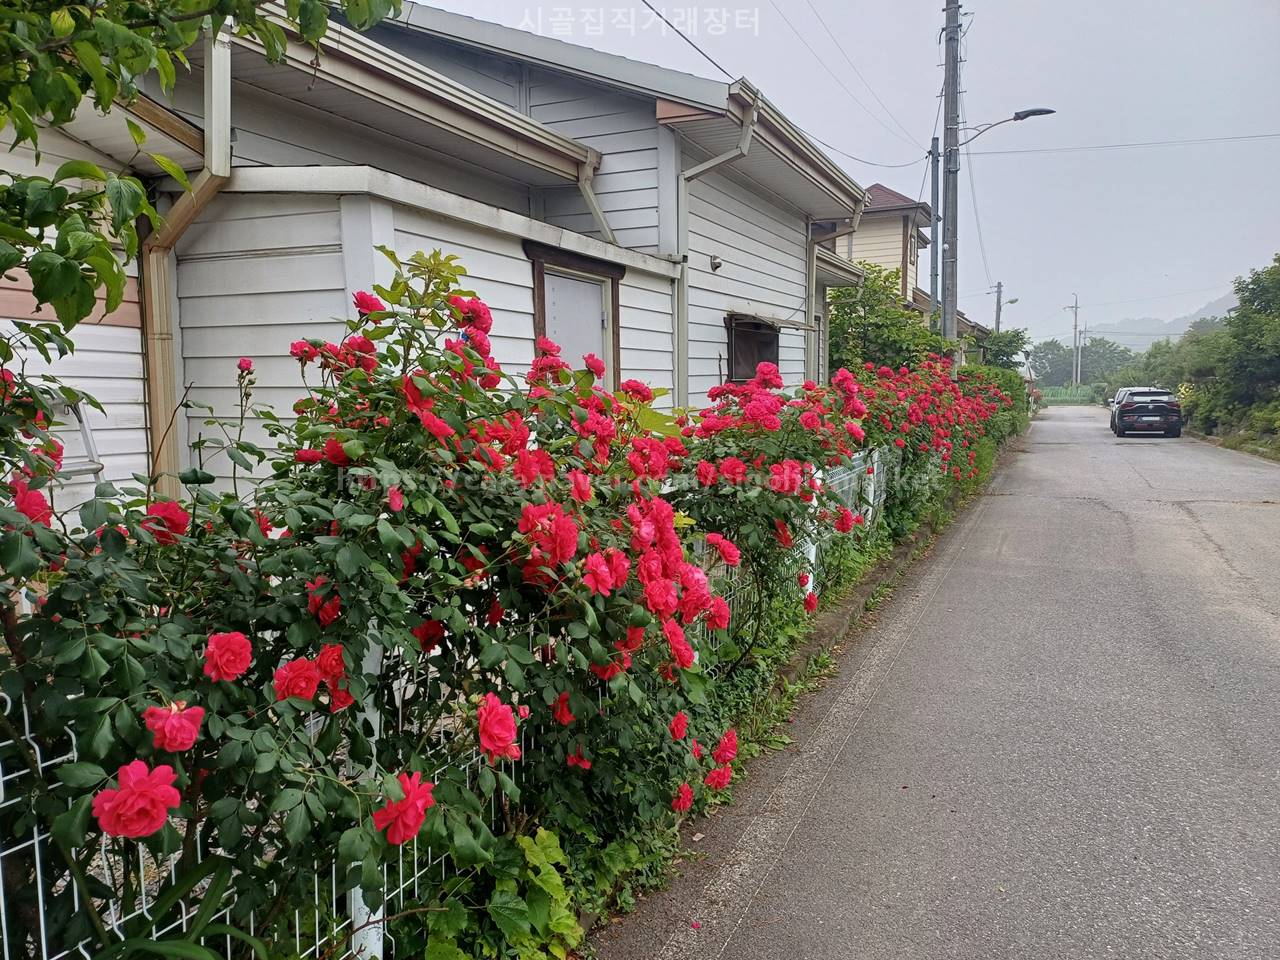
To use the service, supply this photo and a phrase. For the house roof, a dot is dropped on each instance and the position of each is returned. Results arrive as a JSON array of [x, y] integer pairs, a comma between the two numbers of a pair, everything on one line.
[[359, 79], [708, 113], [882, 199]]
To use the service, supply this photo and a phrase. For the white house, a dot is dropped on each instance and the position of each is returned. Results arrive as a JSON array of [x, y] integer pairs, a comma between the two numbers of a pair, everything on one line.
[[679, 227]]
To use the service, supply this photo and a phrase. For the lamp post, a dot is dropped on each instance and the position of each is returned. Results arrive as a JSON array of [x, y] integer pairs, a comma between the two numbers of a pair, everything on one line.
[[953, 143], [1000, 301]]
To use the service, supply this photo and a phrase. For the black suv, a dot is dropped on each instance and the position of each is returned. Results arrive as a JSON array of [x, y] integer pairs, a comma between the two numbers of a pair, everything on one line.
[[1146, 410]]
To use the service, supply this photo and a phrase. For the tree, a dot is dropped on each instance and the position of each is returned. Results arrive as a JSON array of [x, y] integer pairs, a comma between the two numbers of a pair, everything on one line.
[[1253, 363], [1004, 348], [1051, 363], [1100, 357], [870, 324], [55, 56]]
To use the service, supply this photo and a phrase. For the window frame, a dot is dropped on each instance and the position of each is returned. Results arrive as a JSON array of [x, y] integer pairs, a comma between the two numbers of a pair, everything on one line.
[[761, 324], [567, 263]]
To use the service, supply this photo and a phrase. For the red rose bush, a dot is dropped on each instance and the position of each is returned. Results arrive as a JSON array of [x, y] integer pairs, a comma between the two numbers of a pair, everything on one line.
[[458, 605]]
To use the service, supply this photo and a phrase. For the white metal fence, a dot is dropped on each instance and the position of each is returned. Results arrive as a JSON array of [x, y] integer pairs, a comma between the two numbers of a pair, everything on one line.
[[41, 911]]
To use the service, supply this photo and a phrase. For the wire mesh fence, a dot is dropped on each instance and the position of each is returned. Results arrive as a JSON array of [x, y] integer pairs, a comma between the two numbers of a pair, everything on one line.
[[42, 903]]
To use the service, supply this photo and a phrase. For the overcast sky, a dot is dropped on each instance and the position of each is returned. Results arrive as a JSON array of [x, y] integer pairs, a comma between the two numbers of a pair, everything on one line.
[[1165, 228]]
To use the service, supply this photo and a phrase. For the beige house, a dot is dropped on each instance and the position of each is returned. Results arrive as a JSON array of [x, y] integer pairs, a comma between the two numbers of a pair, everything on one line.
[[894, 234]]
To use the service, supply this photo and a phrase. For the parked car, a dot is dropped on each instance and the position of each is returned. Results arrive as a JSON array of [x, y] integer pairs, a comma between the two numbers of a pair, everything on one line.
[[1145, 410]]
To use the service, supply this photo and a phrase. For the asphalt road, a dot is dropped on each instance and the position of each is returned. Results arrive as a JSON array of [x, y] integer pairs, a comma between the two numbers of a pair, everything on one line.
[[1061, 738]]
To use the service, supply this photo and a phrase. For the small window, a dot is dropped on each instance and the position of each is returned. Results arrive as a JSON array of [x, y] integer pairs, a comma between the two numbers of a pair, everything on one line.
[[751, 342], [576, 303]]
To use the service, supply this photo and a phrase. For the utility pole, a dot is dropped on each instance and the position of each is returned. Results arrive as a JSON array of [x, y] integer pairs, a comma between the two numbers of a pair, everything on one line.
[[951, 145], [1075, 338], [934, 216], [999, 298]]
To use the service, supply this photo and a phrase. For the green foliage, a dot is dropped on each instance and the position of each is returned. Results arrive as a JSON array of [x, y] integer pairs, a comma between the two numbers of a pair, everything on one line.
[[870, 324], [1099, 359], [57, 59], [1005, 349]]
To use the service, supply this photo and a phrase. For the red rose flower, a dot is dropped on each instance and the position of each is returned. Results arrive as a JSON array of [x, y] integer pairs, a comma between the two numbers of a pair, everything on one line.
[[402, 819], [811, 601], [339, 697], [733, 470], [140, 804], [297, 678], [173, 728], [637, 390], [245, 365], [564, 716], [395, 499], [334, 453], [844, 520], [679, 725], [718, 615], [576, 759], [330, 662], [719, 778], [497, 730], [227, 655], [166, 521], [727, 749], [324, 610], [683, 799], [429, 633], [366, 302], [594, 364], [729, 553], [681, 652], [307, 455], [706, 472], [597, 575], [783, 534], [579, 486], [31, 503]]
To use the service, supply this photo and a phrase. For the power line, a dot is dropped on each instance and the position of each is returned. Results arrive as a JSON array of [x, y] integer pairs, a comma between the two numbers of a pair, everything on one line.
[[834, 76], [973, 198], [1128, 146], [937, 115], [870, 163], [685, 37], [854, 67], [711, 60]]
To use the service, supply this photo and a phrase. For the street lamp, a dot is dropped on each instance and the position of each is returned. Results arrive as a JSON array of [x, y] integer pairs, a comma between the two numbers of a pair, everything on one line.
[[950, 196]]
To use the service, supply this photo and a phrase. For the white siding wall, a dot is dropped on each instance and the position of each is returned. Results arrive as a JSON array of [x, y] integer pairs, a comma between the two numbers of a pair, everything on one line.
[[763, 274], [877, 240], [107, 362], [497, 270], [625, 131], [623, 128], [646, 331], [255, 273], [501, 275]]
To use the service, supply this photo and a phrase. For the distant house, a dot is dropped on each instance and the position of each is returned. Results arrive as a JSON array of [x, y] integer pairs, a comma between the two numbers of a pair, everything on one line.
[[893, 233], [680, 228]]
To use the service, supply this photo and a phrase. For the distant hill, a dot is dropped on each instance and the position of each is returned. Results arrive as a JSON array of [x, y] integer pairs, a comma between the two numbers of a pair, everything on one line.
[[1139, 333]]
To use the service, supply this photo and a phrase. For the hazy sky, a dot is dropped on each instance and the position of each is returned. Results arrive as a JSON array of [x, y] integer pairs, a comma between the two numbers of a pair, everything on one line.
[[1166, 228]]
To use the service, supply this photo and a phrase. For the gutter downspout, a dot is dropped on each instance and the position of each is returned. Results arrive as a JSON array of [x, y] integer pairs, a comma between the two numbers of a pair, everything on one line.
[[682, 233], [159, 281], [586, 175]]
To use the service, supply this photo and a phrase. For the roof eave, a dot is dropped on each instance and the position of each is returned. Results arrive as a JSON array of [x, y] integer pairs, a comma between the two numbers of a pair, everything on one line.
[[642, 78], [369, 69], [790, 143]]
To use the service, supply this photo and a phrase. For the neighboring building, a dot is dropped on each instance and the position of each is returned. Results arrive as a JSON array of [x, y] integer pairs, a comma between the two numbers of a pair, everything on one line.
[[893, 233], [679, 227]]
